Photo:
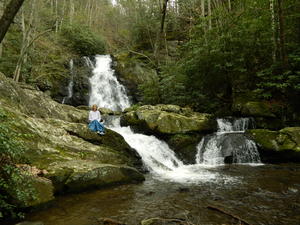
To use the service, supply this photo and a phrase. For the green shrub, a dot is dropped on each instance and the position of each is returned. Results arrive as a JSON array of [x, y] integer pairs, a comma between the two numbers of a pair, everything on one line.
[[83, 41], [14, 186]]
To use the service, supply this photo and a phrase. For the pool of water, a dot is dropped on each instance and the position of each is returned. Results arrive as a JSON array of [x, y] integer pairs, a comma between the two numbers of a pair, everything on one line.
[[265, 194]]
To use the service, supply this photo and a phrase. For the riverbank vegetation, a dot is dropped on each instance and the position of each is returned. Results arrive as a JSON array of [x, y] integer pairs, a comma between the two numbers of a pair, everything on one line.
[[204, 52]]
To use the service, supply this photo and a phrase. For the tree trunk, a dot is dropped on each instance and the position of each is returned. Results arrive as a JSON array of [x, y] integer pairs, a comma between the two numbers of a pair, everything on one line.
[[63, 14], [8, 16], [164, 11], [203, 7], [283, 55], [209, 14], [72, 10], [1, 11], [160, 34], [229, 5], [273, 22], [27, 33], [56, 16]]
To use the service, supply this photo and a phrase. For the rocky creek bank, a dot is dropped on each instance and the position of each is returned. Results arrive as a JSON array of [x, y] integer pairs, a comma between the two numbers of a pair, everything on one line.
[[59, 144]]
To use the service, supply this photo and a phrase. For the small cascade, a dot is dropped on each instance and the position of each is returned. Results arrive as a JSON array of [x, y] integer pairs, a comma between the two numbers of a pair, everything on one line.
[[88, 62], [106, 91], [228, 144], [235, 125], [71, 82], [159, 159]]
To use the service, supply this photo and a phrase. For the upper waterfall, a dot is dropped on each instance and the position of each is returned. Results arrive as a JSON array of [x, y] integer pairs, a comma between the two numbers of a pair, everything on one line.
[[106, 91]]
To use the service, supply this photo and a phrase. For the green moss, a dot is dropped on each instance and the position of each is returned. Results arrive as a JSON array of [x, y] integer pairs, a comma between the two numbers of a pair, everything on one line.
[[257, 109], [265, 138]]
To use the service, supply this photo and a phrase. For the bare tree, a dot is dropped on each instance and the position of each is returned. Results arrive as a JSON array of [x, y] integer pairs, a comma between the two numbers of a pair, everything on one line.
[[8, 16]]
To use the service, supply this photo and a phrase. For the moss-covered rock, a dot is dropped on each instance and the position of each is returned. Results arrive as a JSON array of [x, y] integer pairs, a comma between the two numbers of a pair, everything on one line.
[[185, 146], [277, 146], [168, 119], [133, 70], [257, 109], [81, 175], [43, 191], [58, 141]]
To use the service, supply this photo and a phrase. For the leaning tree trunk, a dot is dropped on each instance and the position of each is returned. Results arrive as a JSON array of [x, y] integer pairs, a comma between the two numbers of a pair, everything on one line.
[[160, 34], [8, 16]]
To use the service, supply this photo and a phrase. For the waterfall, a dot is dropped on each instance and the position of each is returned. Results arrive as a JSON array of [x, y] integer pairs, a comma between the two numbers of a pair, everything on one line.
[[71, 82], [160, 160], [156, 155], [106, 91], [228, 144]]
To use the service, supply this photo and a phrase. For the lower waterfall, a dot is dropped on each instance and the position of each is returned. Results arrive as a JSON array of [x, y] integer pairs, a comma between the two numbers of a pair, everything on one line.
[[228, 144]]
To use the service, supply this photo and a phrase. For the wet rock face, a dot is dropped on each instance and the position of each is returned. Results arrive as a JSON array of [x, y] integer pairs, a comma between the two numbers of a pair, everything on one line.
[[79, 75], [185, 146], [278, 146]]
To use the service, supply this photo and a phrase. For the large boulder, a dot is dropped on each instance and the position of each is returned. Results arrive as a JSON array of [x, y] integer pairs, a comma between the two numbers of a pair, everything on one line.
[[278, 146], [58, 141], [79, 175], [35, 103], [185, 146], [43, 189], [133, 70], [53, 144], [168, 120], [180, 127]]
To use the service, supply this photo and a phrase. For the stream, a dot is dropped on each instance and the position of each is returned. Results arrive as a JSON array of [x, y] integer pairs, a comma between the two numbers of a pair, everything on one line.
[[255, 192], [267, 194]]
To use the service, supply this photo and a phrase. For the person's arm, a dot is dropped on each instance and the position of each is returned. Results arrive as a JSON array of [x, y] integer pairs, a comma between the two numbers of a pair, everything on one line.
[[99, 116]]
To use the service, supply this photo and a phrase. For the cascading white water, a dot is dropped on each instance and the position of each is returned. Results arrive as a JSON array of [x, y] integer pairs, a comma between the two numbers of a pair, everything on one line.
[[237, 125], [157, 157], [228, 144], [106, 91], [160, 160], [71, 82]]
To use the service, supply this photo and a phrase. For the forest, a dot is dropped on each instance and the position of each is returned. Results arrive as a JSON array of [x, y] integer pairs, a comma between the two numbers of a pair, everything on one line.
[[225, 58]]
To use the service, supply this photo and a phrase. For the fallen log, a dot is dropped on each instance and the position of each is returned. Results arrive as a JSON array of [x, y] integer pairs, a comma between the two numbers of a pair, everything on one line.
[[228, 213]]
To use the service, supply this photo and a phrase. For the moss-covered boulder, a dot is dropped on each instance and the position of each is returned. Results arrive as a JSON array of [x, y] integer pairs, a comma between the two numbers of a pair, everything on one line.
[[257, 109], [58, 141], [43, 191], [168, 119], [185, 146], [79, 175], [41, 188], [278, 146], [133, 70], [35, 103]]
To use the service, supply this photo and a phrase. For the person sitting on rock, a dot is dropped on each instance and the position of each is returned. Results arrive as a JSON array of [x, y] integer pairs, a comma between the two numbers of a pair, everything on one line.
[[94, 121]]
